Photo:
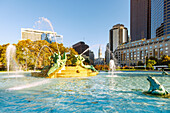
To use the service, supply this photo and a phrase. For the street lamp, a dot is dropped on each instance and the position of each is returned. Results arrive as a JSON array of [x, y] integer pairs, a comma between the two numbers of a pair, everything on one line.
[[129, 51], [145, 62]]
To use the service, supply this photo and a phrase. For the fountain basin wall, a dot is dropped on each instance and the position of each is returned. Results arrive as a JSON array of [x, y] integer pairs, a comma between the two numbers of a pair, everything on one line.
[[106, 92]]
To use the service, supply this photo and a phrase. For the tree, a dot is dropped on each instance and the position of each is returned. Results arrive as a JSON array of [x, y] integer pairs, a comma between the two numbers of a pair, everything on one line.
[[140, 63], [165, 59], [3, 54], [151, 63], [30, 53]]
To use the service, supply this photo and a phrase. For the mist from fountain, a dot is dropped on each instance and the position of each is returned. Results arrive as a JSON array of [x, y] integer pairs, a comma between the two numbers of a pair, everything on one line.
[[12, 64], [43, 24], [45, 46], [112, 61]]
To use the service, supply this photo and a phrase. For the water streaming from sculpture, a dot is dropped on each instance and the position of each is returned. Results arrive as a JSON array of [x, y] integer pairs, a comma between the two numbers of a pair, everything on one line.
[[112, 65], [112, 62], [43, 24], [45, 46], [12, 64]]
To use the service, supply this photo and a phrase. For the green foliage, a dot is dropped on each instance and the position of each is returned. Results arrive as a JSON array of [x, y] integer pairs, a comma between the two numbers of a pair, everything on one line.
[[27, 52], [3, 54], [140, 63], [151, 63], [102, 67], [165, 59]]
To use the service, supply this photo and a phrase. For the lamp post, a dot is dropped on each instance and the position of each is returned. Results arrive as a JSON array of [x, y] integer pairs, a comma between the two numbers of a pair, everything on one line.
[[129, 51], [145, 62]]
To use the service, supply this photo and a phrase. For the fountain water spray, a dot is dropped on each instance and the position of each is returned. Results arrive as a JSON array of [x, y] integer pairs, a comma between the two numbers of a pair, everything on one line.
[[12, 64], [112, 63], [43, 21], [40, 26], [45, 46]]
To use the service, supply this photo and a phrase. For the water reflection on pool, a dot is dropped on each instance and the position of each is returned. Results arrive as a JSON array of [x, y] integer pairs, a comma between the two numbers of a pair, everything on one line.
[[121, 92]]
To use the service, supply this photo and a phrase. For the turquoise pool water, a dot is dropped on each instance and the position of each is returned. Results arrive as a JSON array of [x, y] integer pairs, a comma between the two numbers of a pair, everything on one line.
[[104, 93]]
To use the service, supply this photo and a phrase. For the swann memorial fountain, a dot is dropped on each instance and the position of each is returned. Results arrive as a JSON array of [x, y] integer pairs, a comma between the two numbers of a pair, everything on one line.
[[101, 93]]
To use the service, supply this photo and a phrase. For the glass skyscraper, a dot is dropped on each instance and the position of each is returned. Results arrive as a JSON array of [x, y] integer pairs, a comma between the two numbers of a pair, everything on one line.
[[160, 18], [140, 19]]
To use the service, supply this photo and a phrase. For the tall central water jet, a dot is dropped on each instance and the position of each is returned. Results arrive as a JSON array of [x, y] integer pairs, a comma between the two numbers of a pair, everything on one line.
[[112, 65], [11, 58], [112, 60]]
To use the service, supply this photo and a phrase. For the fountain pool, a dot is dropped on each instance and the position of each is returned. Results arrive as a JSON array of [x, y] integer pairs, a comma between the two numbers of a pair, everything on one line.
[[121, 92]]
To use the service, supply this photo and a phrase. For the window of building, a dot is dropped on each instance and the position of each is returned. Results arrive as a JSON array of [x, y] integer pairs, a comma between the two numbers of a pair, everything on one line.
[[146, 53], [155, 53], [140, 54], [124, 56], [134, 55], [160, 52], [150, 52], [166, 50]]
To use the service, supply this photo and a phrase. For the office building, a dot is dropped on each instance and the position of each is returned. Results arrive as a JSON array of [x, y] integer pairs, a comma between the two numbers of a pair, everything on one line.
[[100, 52], [131, 53], [80, 47], [160, 18], [91, 57], [117, 35], [107, 52], [140, 19], [35, 35]]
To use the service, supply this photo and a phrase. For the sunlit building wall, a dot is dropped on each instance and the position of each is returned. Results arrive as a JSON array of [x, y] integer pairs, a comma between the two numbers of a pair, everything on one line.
[[35, 35], [131, 53], [91, 57], [117, 35]]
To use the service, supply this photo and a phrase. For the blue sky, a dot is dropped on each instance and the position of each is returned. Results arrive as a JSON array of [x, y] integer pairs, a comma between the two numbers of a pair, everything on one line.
[[76, 20]]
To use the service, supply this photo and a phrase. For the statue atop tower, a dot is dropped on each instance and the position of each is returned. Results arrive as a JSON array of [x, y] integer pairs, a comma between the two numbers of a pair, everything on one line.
[[100, 52]]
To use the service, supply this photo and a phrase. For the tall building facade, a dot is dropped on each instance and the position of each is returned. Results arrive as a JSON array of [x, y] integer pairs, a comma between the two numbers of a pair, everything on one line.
[[80, 47], [131, 53], [140, 19], [160, 18], [34, 35], [117, 35], [100, 52], [91, 57]]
